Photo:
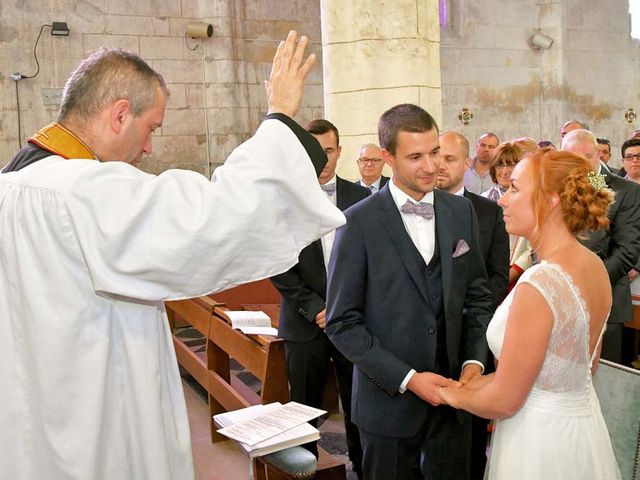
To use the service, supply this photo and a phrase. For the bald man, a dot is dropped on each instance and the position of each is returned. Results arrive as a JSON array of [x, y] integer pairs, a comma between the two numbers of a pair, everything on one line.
[[494, 240], [619, 245]]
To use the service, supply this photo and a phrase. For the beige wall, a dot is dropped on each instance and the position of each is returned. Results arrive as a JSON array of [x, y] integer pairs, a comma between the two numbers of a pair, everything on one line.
[[216, 88], [590, 72]]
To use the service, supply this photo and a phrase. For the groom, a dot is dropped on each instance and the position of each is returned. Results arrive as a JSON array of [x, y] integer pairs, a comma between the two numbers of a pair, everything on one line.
[[408, 303]]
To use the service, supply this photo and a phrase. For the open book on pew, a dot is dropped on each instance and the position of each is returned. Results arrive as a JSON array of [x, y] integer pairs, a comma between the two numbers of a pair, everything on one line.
[[264, 429], [251, 322]]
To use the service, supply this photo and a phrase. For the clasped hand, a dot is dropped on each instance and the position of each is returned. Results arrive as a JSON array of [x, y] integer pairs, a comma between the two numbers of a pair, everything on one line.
[[427, 385], [437, 390]]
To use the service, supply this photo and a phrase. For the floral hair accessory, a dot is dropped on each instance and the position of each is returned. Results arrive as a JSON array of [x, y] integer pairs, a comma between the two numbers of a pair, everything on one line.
[[599, 182]]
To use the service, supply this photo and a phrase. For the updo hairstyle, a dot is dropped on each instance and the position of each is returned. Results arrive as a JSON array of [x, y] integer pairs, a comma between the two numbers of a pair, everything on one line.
[[583, 207]]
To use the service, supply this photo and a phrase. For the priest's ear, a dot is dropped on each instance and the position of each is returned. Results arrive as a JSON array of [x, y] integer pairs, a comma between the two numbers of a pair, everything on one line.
[[120, 111]]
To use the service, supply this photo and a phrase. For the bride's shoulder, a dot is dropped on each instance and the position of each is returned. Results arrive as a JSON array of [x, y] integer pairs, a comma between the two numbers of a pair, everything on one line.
[[545, 277]]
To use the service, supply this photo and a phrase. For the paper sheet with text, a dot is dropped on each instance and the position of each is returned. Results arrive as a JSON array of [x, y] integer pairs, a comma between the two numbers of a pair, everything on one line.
[[272, 423]]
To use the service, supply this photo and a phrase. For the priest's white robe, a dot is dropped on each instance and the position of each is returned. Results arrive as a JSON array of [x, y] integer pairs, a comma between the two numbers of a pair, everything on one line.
[[89, 384]]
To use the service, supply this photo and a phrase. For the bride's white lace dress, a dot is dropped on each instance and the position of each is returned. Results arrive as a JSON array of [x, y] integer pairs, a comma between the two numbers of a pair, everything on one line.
[[559, 433]]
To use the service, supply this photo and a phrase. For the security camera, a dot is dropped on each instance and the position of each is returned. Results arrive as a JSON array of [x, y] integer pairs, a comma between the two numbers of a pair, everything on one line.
[[540, 41]]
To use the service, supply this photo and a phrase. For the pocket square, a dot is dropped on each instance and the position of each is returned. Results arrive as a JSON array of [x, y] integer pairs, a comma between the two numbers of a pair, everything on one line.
[[461, 248]]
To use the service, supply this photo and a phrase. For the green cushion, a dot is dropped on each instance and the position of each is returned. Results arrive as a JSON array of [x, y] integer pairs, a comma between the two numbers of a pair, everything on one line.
[[618, 390], [295, 461]]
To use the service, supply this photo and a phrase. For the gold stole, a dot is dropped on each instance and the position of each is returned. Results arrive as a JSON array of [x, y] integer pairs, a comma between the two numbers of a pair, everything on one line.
[[58, 140]]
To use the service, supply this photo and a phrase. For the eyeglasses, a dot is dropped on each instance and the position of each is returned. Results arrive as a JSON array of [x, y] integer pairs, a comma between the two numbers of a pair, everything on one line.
[[631, 156], [500, 166], [370, 161]]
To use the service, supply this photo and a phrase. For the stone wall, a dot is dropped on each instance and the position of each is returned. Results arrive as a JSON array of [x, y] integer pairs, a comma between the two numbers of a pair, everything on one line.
[[215, 83], [589, 73]]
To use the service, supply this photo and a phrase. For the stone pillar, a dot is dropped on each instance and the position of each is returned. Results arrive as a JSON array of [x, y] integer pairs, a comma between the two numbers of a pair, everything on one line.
[[377, 55]]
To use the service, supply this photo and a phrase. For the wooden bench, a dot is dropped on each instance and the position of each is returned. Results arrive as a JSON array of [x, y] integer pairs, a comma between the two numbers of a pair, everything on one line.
[[261, 355]]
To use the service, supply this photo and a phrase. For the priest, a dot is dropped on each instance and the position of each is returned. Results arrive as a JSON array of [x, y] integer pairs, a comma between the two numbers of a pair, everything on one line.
[[91, 247]]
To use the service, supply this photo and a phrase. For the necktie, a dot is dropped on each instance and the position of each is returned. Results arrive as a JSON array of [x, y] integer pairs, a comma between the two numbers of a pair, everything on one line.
[[372, 187], [329, 188], [424, 210]]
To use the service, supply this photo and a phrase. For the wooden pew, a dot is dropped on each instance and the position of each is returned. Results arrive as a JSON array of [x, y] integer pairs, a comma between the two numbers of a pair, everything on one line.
[[262, 355]]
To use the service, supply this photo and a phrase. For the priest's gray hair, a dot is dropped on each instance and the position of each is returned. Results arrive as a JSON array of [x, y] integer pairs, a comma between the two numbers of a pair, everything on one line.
[[106, 76]]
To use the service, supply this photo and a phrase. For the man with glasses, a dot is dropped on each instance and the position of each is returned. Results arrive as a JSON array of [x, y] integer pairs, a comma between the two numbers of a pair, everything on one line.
[[631, 159], [370, 165]]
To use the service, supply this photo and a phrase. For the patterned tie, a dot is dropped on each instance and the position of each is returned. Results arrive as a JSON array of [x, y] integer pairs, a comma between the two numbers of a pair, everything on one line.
[[328, 188], [373, 188], [424, 210]]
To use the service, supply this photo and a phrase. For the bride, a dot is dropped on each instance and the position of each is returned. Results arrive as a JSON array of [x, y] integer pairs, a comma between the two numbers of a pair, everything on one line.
[[546, 334]]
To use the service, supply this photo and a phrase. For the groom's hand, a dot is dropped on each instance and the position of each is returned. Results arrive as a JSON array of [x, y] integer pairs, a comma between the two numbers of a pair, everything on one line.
[[469, 372], [425, 385]]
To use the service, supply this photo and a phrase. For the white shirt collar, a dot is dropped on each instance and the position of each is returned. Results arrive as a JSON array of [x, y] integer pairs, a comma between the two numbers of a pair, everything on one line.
[[400, 198], [375, 184], [460, 192], [333, 180]]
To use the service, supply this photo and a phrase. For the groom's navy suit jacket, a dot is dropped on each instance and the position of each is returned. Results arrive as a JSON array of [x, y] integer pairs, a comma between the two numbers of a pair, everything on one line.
[[382, 305]]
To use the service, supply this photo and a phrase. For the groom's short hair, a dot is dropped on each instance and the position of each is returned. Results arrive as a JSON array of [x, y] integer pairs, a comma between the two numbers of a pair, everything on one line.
[[405, 117]]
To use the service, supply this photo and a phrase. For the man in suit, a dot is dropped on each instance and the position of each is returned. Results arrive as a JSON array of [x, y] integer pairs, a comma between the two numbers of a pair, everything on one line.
[[494, 243], [303, 288], [408, 304], [604, 153], [494, 240], [370, 164], [619, 245]]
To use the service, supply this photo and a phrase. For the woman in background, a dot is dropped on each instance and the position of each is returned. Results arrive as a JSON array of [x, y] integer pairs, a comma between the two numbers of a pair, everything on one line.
[[507, 156]]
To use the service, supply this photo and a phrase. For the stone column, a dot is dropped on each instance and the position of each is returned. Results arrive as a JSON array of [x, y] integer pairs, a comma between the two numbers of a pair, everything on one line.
[[377, 55]]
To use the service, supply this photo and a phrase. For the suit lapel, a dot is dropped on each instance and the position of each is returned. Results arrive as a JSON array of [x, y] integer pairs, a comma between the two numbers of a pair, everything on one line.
[[317, 246], [445, 242], [341, 194], [409, 254]]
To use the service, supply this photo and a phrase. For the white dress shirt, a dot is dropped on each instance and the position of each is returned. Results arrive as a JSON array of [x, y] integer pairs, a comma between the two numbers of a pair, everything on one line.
[[421, 230], [374, 187], [423, 235]]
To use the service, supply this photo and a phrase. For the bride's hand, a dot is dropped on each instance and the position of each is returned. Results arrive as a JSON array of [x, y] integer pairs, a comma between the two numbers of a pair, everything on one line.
[[479, 382], [448, 395]]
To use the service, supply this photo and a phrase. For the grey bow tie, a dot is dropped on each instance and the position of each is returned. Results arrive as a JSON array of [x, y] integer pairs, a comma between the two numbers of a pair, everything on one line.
[[424, 210], [328, 188]]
